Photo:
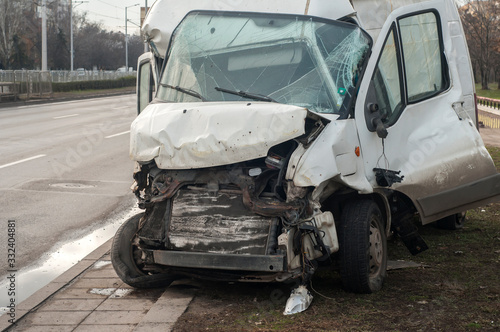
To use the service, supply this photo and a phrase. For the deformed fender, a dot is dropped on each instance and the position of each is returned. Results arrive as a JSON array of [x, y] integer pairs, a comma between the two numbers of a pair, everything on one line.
[[380, 198], [332, 155]]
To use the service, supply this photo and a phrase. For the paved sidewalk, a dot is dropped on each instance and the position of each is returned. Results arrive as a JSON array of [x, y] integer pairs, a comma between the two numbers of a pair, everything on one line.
[[91, 297]]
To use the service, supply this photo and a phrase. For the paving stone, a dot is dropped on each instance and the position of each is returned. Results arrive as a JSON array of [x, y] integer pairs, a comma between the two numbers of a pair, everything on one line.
[[101, 273], [58, 317], [153, 293], [97, 283], [40, 295], [148, 327], [114, 317], [177, 293], [44, 328], [102, 264], [4, 319], [107, 256], [123, 304], [71, 305], [164, 314], [169, 307], [73, 272], [107, 328], [77, 293]]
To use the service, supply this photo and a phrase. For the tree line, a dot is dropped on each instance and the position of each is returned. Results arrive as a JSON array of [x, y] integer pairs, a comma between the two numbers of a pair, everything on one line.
[[481, 22], [94, 47]]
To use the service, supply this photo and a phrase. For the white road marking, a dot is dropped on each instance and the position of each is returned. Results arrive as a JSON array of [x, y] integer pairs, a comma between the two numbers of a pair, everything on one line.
[[120, 108], [23, 160], [64, 116], [51, 104], [119, 134]]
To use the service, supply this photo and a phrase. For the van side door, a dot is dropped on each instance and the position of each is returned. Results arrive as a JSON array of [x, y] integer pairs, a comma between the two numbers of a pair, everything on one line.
[[419, 86]]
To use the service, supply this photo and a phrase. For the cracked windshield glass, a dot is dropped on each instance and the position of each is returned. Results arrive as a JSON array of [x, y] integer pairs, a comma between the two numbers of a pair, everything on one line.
[[294, 60]]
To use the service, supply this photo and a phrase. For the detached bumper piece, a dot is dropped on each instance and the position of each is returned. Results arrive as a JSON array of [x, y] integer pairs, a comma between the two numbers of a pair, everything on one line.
[[235, 262]]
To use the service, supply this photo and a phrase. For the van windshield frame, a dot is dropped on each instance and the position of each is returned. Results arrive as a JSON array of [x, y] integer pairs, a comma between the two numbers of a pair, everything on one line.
[[291, 59]]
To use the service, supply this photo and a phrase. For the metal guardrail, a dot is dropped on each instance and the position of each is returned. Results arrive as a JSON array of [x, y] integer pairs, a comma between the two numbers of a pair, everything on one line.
[[489, 102], [62, 76], [28, 83], [32, 83]]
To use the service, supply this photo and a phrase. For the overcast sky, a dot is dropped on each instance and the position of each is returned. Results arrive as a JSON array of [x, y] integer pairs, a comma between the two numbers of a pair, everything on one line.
[[111, 13]]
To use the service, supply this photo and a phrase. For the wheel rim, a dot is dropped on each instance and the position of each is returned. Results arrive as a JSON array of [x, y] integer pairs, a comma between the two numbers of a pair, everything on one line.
[[376, 248]]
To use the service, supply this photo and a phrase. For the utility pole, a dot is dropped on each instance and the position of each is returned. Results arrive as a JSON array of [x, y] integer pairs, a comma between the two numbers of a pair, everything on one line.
[[145, 13], [72, 55], [71, 27], [126, 36], [44, 35]]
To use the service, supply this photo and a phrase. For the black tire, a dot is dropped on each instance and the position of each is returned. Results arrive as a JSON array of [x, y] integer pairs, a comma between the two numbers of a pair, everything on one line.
[[363, 247], [453, 222], [122, 258]]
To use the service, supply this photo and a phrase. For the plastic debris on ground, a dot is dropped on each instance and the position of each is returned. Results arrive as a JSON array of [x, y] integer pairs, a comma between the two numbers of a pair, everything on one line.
[[300, 299]]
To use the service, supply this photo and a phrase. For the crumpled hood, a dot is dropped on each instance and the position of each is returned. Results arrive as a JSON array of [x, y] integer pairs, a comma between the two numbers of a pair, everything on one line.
[[197, 135]]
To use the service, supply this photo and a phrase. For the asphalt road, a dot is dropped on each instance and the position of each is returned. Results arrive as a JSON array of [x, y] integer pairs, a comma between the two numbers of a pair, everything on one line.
[[64, 168]]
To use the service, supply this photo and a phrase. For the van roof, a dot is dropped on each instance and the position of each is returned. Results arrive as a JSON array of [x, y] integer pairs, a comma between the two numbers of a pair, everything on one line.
[[165, 15]]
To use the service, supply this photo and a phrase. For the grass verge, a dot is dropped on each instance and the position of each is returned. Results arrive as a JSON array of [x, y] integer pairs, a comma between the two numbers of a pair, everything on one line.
[[493, 93], [457, 288]]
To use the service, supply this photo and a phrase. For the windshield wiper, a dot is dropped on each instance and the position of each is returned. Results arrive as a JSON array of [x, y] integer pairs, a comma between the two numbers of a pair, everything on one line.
[[184, 90], [247, 95]]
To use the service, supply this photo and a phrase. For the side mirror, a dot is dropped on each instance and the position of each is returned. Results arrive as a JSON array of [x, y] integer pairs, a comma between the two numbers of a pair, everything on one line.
[[374, 118]]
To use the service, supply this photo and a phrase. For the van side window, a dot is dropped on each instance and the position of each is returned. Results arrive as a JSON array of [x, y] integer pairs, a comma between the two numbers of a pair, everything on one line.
[[422, 54], [387, 83]]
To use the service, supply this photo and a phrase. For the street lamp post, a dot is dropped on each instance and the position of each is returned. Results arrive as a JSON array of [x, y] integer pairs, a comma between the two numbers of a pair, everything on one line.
[[126, 36], [145, 13], [71, 27], [44, 35]]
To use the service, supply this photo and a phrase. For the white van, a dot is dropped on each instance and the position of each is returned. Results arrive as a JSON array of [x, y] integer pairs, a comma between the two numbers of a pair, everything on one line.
[[272, 140]]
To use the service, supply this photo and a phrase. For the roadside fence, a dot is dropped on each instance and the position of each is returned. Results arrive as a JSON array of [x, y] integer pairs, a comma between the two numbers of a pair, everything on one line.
[[489, 121], [489, 102], [38, 84]]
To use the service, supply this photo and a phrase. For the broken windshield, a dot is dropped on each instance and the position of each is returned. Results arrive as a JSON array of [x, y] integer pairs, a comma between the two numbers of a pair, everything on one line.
[[296, 60]]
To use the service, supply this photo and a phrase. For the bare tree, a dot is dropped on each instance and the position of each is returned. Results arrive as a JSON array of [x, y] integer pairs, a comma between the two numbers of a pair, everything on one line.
[[481, 22], [496, 59], [11, 25], [20, 38]]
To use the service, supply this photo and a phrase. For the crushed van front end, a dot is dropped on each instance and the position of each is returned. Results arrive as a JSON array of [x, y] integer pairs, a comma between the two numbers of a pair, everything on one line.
[[234, 217], [238, 156]]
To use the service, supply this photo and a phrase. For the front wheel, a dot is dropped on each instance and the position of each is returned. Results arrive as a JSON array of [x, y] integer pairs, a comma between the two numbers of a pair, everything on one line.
[[125, 257], [363, 247]]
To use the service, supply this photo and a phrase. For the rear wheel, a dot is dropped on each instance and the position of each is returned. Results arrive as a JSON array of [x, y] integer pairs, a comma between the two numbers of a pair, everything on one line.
[[363, 247], [125, 257], [453, 222]]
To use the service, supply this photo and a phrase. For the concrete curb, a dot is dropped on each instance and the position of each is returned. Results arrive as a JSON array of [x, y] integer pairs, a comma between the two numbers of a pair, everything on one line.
[[44, 294], [91, 297]]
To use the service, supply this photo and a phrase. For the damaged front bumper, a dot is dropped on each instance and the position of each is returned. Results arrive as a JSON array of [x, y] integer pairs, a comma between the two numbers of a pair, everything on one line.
[[222, 219]]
